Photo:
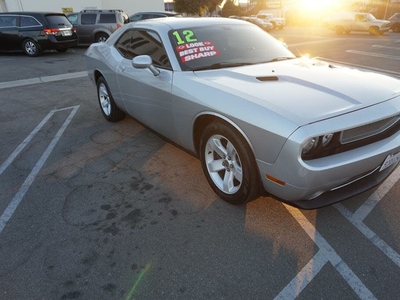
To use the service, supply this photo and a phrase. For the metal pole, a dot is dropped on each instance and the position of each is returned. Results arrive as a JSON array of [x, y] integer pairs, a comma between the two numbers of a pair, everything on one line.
[[386, 9]]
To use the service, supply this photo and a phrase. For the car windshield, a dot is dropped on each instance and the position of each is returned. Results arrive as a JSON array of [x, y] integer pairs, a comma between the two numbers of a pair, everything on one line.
[[370, 17], [223, 46]]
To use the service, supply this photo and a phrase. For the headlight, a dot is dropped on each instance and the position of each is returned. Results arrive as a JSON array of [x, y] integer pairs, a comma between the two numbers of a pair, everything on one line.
[[320, 146], [326, 139], [310, 146]]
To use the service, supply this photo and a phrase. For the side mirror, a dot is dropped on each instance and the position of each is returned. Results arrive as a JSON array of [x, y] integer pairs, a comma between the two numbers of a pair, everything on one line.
[[145, 62]]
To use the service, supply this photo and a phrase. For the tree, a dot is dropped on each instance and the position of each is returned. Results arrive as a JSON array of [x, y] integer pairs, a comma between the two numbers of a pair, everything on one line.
[[231, 9], [195, 7]]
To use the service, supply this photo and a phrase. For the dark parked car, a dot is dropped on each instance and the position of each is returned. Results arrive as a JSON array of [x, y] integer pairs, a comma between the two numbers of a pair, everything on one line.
[[395, 22], [96, 25], [152, 15], [35, 32]]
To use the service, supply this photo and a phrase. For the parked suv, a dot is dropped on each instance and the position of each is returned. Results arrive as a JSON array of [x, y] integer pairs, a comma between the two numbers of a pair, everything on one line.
[[97, 25], [35, 32], [395, 22]]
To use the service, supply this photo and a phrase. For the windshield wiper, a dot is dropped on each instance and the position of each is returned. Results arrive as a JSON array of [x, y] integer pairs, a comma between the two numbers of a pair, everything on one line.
[[222, 65]]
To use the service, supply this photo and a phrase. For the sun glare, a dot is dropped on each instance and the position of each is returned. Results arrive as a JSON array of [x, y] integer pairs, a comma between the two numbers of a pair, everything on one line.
[[317, 5]]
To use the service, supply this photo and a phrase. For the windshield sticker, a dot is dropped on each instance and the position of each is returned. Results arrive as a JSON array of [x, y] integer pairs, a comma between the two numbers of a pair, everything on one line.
[[187, 36], [193, 51]]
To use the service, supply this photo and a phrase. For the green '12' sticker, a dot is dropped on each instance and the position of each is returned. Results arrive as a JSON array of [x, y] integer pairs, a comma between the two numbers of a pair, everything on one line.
[[187, 36]]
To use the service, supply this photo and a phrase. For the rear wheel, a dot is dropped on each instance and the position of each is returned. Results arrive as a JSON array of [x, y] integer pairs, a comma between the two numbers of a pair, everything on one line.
[[101, 37], [228, 164], [31, 48], [108, 107]]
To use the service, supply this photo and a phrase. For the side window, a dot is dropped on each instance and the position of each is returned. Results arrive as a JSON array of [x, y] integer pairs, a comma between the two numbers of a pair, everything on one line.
[[8, 21], [88, 19], [140, 42], [73, 19], [1, 21], [107, 18], [136, 17], [154, 16], [28, 22], [147, 16]]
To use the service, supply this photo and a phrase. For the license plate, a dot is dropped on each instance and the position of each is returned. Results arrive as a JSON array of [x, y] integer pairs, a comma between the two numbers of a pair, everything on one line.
[[390, 160], [66, 32]]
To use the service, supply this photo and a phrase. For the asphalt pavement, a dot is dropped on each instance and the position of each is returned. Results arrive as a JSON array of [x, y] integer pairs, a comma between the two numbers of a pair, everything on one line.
[[97, 210]]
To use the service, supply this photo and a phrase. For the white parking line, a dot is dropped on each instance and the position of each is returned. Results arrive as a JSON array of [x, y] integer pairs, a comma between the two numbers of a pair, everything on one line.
[[374, 54], [315, 42], [325, 254], [45, 79], [383, 71], [385, 47], [364, 210], [9, 211]]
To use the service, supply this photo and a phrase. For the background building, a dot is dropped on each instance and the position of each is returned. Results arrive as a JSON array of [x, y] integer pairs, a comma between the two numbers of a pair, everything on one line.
[[130, 6]]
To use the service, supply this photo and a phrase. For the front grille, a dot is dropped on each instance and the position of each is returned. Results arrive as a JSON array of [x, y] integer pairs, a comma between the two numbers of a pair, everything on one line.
[[369, 130], [357, 137]]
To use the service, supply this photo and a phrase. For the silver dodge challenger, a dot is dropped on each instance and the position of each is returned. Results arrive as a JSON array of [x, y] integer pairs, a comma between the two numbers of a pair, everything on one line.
[[261, 120]]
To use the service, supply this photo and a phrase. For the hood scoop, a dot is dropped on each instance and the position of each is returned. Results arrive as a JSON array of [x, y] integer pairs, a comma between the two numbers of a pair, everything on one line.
[[267, 78]]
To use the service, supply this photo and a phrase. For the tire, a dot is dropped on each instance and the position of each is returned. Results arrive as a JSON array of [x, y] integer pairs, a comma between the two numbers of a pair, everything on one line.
[[62, 50], [31, 48], [396, 28], [339, 29], [374, 31], [110, 110], [228, 164], [101, 37]]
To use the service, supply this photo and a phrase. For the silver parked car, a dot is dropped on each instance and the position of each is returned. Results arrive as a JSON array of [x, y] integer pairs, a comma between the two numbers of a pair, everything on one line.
[[259, 118]]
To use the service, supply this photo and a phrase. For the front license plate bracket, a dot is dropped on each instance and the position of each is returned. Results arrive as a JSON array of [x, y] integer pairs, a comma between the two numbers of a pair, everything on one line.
[[390, 160]]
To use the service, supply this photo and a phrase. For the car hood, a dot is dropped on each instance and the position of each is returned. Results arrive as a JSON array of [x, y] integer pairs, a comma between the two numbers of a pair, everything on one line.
[[379, 22], [303, 90]]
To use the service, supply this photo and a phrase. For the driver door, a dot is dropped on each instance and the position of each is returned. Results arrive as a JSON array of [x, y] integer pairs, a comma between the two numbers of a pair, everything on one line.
[[147, 97]]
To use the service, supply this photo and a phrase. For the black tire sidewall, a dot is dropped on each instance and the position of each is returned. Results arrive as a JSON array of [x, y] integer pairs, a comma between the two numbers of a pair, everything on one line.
[[250, 184]]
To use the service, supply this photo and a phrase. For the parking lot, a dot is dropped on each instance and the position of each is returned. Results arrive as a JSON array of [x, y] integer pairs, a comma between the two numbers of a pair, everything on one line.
[[97, 210]]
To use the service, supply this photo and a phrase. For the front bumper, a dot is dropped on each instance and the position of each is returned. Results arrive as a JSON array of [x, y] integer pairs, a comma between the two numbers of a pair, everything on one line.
[[323, 181]]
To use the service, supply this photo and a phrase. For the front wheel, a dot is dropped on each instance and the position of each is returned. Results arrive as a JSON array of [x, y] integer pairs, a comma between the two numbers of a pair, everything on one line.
[[396, 28], [31, 48], [108, 107], [374, 31], [228, 164]]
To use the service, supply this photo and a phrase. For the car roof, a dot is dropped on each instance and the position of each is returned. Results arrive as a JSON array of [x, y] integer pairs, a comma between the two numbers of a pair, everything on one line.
[[172, 23], [31, 13], [169, 13]]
